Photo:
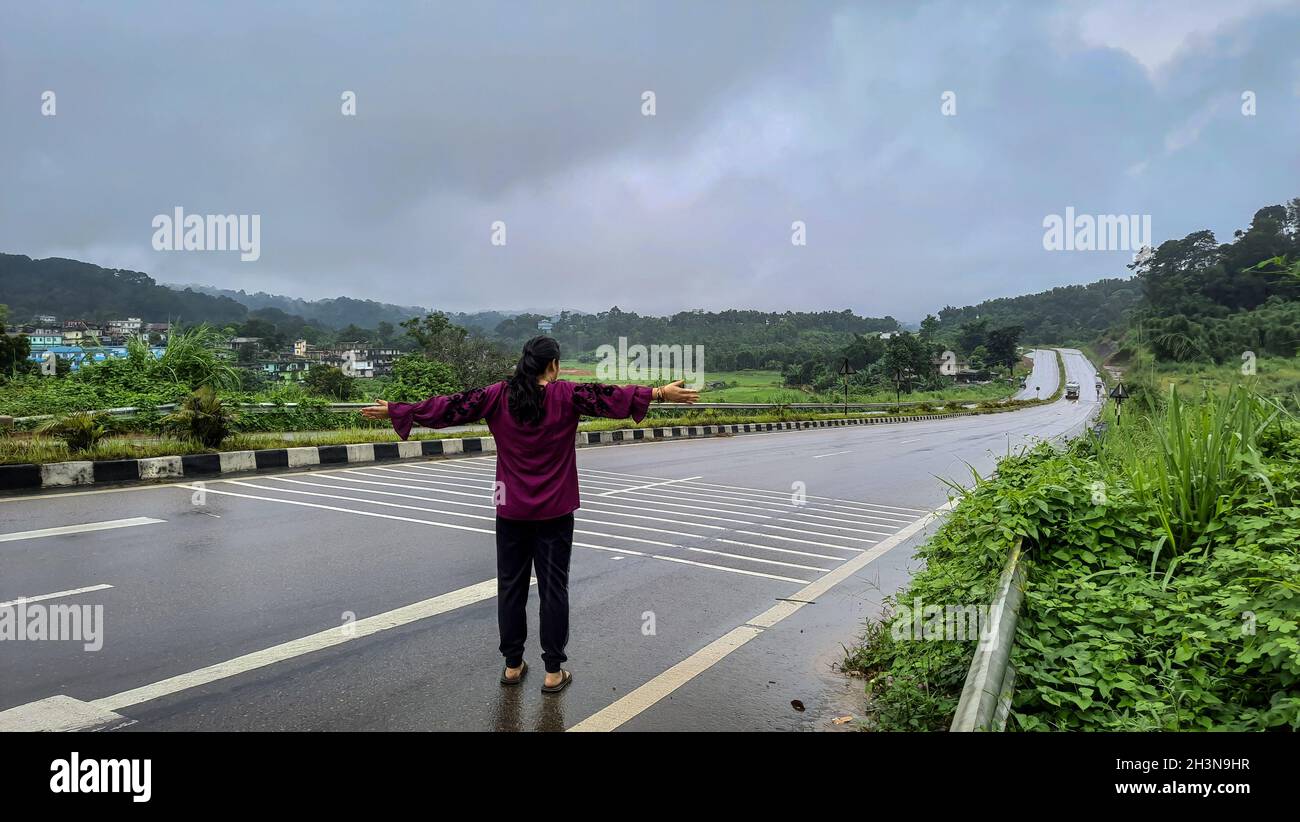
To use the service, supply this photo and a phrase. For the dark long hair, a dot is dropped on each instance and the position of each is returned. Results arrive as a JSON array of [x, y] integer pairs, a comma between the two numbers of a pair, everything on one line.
[[525, 398]]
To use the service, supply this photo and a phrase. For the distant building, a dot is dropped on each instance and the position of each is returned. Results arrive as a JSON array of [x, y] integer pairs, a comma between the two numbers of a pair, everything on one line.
[[364, 360], [300, 348], [241, 343], [287, 370], [545, 326], [125, 328], [45, 340], [45, 319], [76, 355]]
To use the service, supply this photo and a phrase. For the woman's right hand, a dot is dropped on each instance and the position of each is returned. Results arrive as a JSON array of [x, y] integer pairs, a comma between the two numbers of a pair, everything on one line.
[[378, 411], [677, 392]]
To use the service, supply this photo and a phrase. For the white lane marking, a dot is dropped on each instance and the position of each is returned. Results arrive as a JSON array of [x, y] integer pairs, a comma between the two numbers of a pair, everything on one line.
[[729, 570], [660, 501], [79, 529], [747, 503], [622, 710], [435, 523], [859, 519], [585, 518], [487, 476], [56, 714], [794, 539], [832, 454], [757, 559], [429, 510], [641, 487], [212, 490], [641, 698], [740, 490], [328, 638], [867, 505], [784, 550], [808, 525], [659, 498], [55, 595], [906, 442], [591, 500]]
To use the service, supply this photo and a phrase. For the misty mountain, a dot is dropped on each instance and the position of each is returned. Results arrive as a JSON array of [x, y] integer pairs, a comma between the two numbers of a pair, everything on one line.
[[339, 312], [69, 289]]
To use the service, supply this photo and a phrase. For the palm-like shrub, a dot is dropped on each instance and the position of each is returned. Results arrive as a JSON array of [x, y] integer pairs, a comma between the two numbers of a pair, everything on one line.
[[201, 417], [81, 430]]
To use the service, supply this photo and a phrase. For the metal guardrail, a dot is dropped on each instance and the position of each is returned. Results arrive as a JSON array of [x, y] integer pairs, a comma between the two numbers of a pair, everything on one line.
[[986, 698]]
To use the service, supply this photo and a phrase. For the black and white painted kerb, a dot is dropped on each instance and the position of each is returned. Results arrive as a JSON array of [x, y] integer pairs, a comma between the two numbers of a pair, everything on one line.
[[26, 477]]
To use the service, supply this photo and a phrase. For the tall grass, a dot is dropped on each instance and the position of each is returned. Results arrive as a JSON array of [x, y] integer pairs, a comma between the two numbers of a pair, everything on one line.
[[195, 357], [1192, 463]]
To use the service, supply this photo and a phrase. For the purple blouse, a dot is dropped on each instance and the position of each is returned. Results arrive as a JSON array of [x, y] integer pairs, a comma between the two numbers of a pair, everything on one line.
[[536, 464]]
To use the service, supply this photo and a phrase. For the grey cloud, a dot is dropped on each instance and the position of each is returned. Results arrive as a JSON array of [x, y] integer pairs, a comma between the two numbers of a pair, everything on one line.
[[529, 113]]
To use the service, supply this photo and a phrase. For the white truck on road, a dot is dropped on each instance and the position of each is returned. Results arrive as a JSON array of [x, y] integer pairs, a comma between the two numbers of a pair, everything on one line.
[[1072, 391]]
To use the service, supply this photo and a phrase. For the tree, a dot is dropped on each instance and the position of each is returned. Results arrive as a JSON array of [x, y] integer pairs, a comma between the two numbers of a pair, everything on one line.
[[328, 381], [904, 362], [929, 328], [972, 335], [416, 378], [474, 360], [1001, 346], [14, 352]]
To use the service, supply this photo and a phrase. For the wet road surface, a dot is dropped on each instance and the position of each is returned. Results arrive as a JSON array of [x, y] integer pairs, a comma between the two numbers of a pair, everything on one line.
[[713, 582]]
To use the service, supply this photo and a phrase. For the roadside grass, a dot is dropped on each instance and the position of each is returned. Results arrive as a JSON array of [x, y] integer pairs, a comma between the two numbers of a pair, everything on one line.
[[1274, 377], [1163, 586]]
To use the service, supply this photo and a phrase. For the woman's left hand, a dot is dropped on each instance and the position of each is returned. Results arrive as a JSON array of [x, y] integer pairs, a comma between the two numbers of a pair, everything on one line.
[[378, 411]]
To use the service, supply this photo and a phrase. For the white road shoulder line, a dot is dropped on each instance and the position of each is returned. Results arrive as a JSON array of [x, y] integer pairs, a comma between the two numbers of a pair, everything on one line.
[[79, 529], [55, 595], [831, 454], [330, 637], [637, 701]]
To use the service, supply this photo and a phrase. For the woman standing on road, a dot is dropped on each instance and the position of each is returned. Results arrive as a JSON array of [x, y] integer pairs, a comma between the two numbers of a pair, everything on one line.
[[533, 417]]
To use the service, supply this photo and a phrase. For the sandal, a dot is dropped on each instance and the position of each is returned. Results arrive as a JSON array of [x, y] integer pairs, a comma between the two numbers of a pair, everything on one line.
[[506, 680], [559, 686]]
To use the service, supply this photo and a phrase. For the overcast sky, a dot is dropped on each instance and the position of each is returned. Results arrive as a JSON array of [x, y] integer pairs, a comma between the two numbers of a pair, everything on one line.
[[531, 114]]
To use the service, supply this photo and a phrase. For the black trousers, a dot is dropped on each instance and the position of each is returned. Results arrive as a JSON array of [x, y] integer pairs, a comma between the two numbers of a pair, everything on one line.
[[521, 546]]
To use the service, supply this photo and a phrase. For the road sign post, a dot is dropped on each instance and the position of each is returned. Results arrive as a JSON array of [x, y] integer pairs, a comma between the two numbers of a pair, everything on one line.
[[1118, 394], [846, 371]]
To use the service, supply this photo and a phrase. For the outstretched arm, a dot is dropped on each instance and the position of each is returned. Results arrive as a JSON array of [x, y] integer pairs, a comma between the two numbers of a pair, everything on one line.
[[435, 412], [621, 401]]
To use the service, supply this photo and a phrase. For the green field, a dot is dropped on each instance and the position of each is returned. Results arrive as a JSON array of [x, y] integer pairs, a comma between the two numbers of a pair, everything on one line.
[[759, 386]]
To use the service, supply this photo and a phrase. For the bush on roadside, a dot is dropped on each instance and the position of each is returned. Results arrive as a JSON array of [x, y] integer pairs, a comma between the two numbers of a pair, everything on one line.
[[80, 430], [202, 417]]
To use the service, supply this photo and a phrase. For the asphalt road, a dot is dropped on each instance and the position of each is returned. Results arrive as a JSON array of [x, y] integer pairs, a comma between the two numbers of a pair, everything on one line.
[[714, 581], [1045, 378]]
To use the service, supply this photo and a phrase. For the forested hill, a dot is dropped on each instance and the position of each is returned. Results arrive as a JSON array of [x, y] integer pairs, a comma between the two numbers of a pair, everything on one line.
[[1072, 313], [338, 312], [69, 289], [734, 338]]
